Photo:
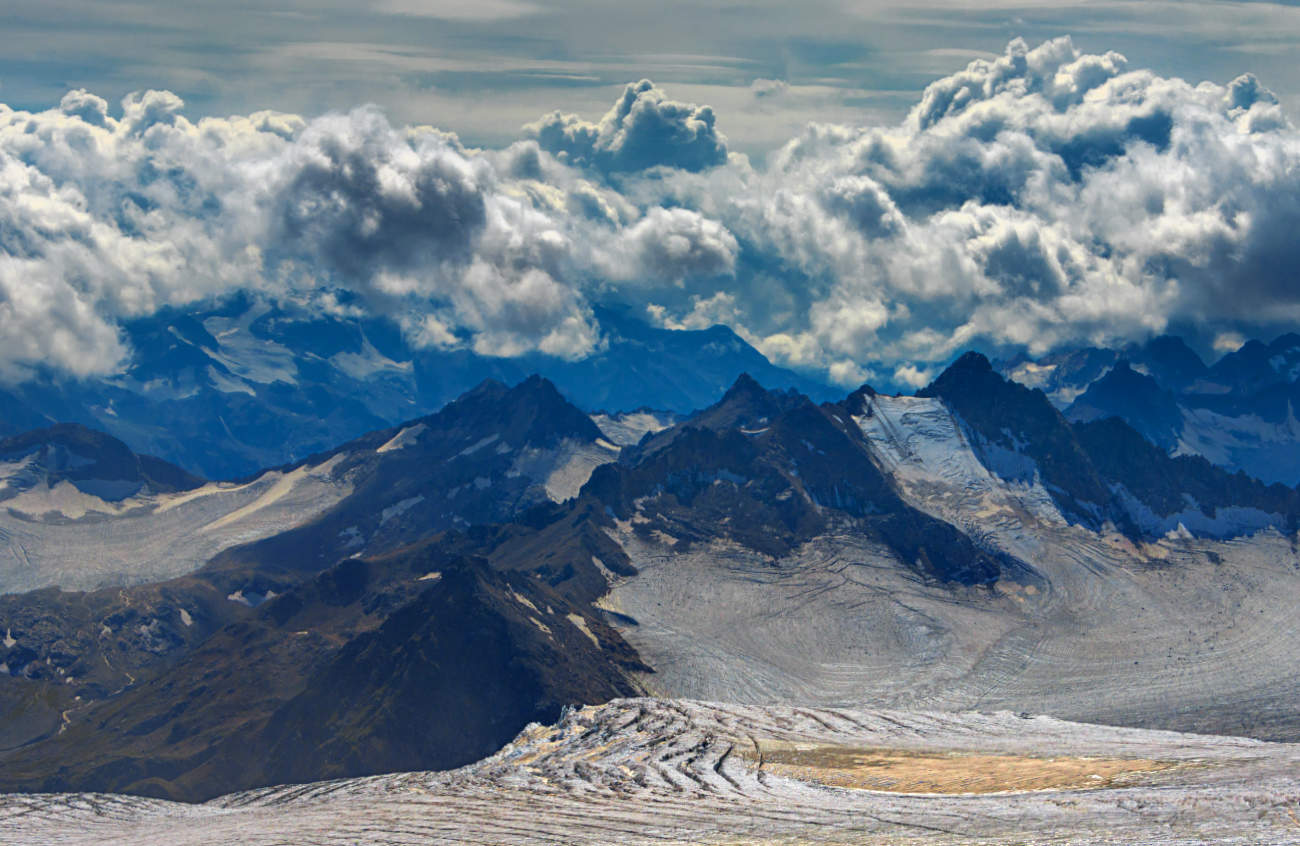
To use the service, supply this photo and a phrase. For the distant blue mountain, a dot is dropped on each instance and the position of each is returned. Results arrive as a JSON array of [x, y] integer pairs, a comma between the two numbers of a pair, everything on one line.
[[243, 384], [1238, 413]]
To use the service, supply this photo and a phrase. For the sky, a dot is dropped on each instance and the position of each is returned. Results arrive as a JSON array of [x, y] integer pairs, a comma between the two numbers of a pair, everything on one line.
[[862, 190], [482, 68]]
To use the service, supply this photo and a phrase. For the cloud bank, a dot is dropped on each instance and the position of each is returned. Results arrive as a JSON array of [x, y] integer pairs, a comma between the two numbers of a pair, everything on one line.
[[1041, 199]]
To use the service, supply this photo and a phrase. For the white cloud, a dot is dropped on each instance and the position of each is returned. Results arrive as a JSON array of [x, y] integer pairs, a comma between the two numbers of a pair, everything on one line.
[[644, 129], [1038, 199]]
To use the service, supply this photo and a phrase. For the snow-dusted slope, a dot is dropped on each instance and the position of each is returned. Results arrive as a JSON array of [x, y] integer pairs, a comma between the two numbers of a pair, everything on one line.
[[645, 771], [630, 427], [1268, 451], [941, 467], [62, 536], [565, 467], [493, 452]]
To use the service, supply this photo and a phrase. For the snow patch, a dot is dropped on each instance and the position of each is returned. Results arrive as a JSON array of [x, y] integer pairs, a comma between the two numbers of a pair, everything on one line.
[[229, 385], [66, 500], [581, 625], [247, 356], [403, 439], [939, 468], [1264, 450], [1227, 522], [369, 362], [399, 508], [473, 448], [9, 641], [352, 537], [282, 486], [186, 618], [564, 469], [523, 600]]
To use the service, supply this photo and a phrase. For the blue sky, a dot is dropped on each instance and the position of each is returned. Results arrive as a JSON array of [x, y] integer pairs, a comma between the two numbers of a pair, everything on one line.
[[861, 190], [484, 67]]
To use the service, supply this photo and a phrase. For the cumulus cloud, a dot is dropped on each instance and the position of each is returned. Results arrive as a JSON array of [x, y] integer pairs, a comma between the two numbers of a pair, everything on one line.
[[1039, 199], [643, 130], [105, 218]]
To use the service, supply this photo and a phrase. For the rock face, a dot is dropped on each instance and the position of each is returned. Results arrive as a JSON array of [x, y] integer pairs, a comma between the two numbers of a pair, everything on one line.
[[125, 655], [771, 470], [415, 660], [1104, 470], [1137, 399], [81, 511], [1142, 571]]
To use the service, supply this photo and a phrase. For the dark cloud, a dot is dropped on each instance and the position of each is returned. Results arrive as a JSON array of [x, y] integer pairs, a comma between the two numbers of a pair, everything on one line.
[[368, 205]]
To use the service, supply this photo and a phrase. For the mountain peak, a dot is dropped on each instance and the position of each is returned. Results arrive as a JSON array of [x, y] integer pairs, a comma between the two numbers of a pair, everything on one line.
[[972, 367], [744, 386], [1012, 416], [532, 412]]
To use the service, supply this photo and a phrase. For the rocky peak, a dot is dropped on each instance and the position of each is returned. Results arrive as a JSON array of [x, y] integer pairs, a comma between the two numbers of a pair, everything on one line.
[[1007, 415], [532, 413]]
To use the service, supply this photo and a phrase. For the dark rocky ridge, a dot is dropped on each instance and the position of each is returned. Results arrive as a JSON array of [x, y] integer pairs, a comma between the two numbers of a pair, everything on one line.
[[1084, 464], [363, 665], [771, 470], [1136, 398], [74, 453]]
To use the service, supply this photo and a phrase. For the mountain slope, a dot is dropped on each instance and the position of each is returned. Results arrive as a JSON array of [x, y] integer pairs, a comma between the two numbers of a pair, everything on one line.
[[1149, 626], [90, 461], [423, 659], [771, 470], [969, 549], [642, 771], [1104, 470], [115, 518]]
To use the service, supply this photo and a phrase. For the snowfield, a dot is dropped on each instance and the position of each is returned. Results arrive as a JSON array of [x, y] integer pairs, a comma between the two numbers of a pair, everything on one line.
[[646, 771]]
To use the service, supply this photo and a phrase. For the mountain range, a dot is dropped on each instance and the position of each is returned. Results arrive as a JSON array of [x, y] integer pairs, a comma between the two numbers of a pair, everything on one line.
[[228, 389], [1238, 413], [415, 596]]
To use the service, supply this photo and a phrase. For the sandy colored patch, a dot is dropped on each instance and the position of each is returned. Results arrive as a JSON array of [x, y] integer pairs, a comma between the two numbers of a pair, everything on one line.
[[910, 771]]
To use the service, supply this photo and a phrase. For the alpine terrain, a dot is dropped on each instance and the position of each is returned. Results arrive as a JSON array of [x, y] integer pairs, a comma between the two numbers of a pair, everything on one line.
[[884, 589]]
